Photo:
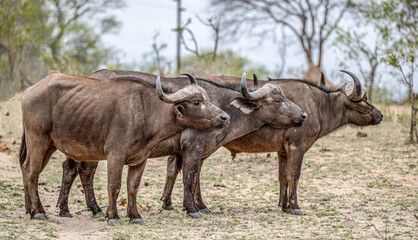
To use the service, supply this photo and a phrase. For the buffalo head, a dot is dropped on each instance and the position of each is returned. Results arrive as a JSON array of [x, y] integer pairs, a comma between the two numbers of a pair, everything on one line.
[[359, 110], [269, 105], [192, 106]]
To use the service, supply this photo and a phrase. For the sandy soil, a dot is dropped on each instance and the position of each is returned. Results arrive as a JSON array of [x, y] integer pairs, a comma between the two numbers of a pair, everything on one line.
[[370, 182]]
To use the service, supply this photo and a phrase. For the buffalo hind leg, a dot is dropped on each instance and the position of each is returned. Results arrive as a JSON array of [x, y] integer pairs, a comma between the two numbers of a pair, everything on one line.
[[86, 170], [39, 150], [114, 180], [174, 165], [69, 173], [133, 182]]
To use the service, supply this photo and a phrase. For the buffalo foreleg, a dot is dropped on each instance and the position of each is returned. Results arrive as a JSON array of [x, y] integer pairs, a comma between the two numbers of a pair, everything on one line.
[[293, 168], [114, 180], [201, 206], [133, 180], [191, 164], [283, 199]]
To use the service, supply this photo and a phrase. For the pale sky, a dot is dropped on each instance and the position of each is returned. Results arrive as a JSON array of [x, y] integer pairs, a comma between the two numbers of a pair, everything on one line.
[[141, 19]]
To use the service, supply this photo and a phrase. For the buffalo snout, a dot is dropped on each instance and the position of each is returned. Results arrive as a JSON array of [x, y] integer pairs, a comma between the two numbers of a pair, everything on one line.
[[298, 121], [221, 121], [377, 117]]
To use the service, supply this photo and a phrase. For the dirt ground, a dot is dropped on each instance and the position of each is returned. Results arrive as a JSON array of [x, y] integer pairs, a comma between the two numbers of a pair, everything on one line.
[[371, 184]]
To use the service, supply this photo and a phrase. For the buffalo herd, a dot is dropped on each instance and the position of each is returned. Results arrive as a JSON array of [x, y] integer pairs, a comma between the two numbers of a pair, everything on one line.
[[126, 117]]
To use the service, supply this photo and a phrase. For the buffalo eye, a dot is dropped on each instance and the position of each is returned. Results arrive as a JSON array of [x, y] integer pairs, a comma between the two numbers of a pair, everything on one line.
[[196, 103]]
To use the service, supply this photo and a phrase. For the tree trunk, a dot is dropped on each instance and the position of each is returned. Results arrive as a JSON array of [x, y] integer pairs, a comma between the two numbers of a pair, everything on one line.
[[412, 129], [314, 74]]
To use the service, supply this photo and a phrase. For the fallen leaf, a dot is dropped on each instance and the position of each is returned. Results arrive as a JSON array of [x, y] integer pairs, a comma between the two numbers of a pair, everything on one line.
[[123, 202], [140, 207]]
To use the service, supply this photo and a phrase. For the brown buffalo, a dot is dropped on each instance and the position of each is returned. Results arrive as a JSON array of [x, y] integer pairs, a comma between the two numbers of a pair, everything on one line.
[[249, 111], [328, 110], [90, 120]]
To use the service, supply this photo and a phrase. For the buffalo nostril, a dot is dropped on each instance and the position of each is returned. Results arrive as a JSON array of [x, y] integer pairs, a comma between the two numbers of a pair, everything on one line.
[[304, 115], [224, 118]]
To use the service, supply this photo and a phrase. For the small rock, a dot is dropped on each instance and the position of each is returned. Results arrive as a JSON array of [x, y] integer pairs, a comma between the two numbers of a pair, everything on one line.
[[146, 184], [218, 185], [361, 134], [6, 113], [318, 198], [268, 155]]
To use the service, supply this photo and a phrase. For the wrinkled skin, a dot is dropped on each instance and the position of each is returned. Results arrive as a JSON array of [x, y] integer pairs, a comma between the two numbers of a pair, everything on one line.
[[118, 123], [327, 112], [246, 116]]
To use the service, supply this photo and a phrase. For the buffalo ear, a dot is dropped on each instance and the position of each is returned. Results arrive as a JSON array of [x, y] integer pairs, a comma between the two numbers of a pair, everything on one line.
[[245, 105]]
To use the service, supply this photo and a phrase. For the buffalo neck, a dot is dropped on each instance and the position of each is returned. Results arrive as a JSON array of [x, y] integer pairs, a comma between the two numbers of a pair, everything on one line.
[[241, 123], [331, 112]]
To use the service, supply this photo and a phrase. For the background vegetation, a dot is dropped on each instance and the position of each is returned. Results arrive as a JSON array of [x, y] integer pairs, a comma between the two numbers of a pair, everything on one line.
[[377, 38]]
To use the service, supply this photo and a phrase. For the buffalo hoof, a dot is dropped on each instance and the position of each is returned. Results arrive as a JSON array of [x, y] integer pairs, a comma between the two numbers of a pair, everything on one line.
[[292, 211], [137, 221], [66, 214], [170, 208], [40, 216], [114, 222], [296, 212], [205, 210], [195, 215], [99, 215]]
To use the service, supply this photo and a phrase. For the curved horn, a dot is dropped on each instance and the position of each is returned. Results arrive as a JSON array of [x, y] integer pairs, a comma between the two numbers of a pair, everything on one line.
[[259, 93], [176, 96], [322, 83], [356, 94], [255, 85], [192, 79], [160, 91]]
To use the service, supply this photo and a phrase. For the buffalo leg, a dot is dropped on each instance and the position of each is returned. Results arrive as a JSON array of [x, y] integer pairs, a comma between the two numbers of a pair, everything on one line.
[[174, 165], [191, 163], [69, 173], [114, 179], [86, 170], [293, 169], [201, 206], [39, 151], [133, 181], [282, 159]]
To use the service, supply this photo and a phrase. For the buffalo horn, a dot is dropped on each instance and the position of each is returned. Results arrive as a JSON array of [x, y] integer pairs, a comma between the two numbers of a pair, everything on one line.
[[356, 94], [174, 97], [259, 93], [192, 79], [255, 85]]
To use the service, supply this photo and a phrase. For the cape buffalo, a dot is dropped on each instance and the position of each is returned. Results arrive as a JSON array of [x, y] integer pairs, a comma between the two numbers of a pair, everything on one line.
[[328, 110], [90, 120], [249, 111]]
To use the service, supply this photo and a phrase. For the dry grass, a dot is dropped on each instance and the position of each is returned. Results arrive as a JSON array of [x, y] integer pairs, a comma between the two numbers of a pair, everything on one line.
[[367, 180]]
